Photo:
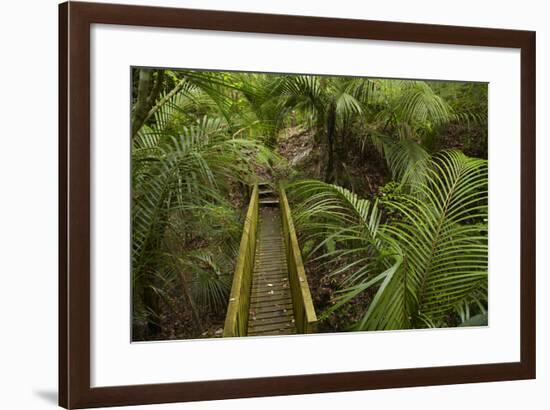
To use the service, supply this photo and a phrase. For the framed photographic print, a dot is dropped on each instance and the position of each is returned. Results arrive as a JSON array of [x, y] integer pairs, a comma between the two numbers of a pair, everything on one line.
[[255, 205]]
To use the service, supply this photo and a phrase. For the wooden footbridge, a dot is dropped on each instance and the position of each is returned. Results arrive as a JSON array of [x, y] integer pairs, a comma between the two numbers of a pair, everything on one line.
[[270, 294]]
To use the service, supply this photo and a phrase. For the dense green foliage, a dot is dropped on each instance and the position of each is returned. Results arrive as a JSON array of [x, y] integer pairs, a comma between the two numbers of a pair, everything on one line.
[[387, 181]]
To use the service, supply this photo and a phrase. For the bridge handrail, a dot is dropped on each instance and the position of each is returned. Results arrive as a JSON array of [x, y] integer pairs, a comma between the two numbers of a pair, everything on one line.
[[304, 311], [236, 319]]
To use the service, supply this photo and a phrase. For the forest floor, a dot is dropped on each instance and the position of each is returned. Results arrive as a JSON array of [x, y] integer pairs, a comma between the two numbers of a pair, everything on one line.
[[177, 322], [362, 171]]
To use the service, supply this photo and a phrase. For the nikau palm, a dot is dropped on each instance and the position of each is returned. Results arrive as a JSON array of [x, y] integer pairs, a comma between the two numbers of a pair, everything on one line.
[[424, 265]]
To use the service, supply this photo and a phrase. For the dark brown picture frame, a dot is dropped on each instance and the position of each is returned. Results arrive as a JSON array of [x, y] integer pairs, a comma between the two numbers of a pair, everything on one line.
[[74, 204]]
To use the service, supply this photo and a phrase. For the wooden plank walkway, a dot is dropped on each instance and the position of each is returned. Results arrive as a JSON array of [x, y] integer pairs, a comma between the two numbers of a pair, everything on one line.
[[271, 310]]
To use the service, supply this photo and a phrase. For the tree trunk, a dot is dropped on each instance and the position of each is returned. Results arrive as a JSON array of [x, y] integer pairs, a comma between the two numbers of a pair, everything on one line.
[[149, 87], [331, 128], [190, 302], [152, 303]]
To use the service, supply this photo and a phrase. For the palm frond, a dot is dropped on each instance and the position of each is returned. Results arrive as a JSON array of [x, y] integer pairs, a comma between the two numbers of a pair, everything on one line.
[[443, 242], [421, 267]]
